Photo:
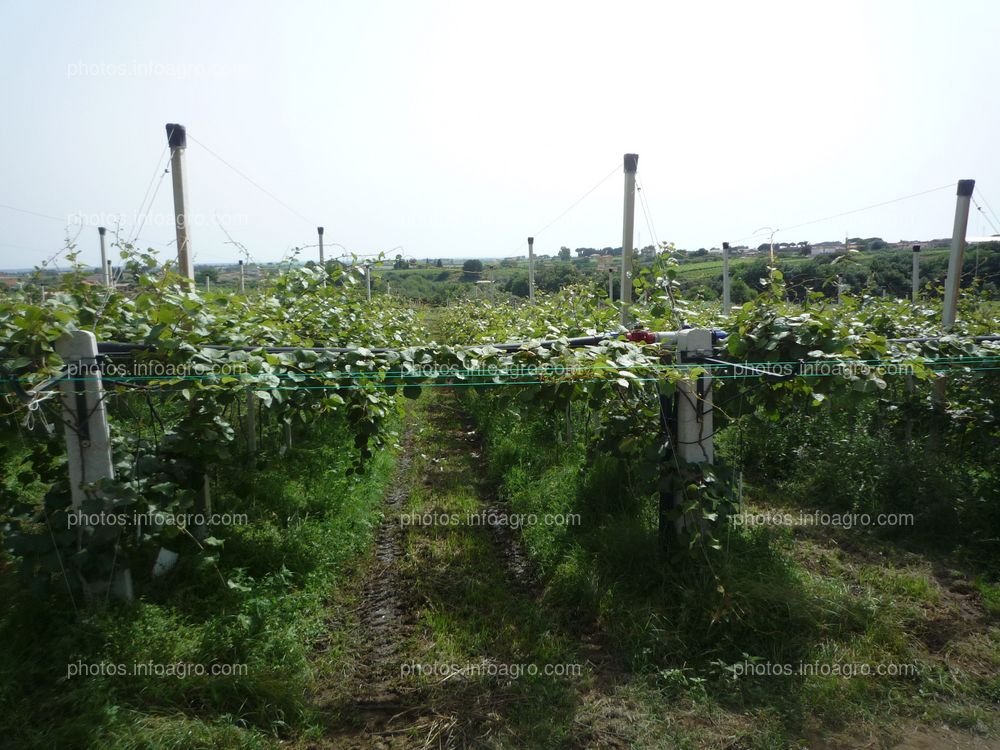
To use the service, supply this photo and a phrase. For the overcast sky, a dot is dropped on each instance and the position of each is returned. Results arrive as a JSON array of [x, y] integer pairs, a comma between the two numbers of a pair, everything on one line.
[[458, 129]]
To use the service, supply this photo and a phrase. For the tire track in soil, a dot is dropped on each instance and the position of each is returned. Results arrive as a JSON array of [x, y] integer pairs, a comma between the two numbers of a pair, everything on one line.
[[382, 603], [384, 618], [607, 724], [605, 666], [388, 714], [607, 670]]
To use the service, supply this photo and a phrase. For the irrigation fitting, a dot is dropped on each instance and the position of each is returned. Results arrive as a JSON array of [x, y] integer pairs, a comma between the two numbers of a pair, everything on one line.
[[641, 336]]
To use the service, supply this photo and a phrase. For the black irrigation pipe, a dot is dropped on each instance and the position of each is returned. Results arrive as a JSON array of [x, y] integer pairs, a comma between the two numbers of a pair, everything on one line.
[[111, 347], [715, 367], [115, 347], [746, 370], [573, 343], [128, 348], [577, 342], [925, 339]]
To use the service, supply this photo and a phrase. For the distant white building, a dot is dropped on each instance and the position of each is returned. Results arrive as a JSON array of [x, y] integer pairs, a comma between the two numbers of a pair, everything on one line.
[[825, 248]]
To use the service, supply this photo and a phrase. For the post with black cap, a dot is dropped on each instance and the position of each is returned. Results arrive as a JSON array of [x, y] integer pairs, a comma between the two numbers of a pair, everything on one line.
[[322, 263], [952, 287], [531, 269], [628, 225], [177, 141], [242, 279], [104, 258], [726, 302], [916, 272], [954, 282]]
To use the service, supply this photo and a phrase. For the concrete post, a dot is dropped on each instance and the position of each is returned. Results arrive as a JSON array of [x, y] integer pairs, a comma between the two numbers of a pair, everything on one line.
[[177, 140], [726, 301], [694, 410], [631, 162], [953, 284], [104, 257], [88, 438], [916, 272], [531, 269], [689, 417]]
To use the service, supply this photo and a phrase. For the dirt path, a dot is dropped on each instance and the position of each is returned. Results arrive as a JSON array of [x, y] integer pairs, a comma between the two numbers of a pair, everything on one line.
[[454, 645], [361, 700], [382, 603]]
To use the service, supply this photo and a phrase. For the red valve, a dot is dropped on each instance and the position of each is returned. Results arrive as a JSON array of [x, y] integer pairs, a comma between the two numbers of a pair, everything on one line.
[[640, 336]]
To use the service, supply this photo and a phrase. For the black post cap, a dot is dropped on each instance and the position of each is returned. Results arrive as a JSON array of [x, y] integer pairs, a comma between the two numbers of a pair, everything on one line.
[[725, 245], [631, 162], [531, 240], [965, 188], [241, 262], [320, 230], [916, 248], [176, 135], [101, 231]]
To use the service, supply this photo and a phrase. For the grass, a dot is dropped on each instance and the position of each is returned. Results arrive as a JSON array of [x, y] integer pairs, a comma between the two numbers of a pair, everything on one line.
[[308, 522], [990, 593], [772, 596], [473, 611]]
